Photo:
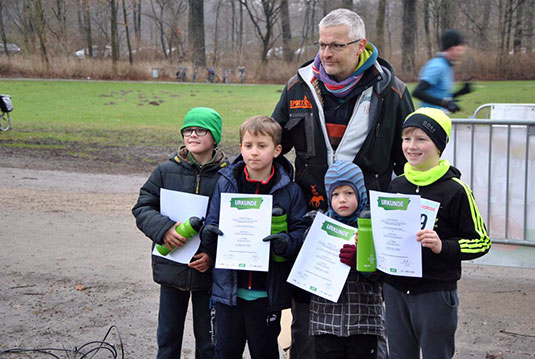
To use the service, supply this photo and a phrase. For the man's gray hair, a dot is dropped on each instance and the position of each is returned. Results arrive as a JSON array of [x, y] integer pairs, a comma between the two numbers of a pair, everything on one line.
[[345, 17]]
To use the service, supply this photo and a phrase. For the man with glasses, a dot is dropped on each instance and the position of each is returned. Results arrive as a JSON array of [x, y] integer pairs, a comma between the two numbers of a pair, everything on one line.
[[346, 104]]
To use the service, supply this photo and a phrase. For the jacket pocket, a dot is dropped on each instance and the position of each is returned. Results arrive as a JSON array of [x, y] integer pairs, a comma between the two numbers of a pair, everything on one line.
[[300, 127]]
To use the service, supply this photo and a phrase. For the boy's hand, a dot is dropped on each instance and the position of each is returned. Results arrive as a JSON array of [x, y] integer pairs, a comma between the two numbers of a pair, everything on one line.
[[202, 262], [172, 239], [430, 239], [348, 255], [209, 233], [309, 217], [279, 242]]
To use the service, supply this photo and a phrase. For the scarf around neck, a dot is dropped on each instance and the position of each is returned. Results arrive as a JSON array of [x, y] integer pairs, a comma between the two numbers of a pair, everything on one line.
[[425, 178], [344, 87]]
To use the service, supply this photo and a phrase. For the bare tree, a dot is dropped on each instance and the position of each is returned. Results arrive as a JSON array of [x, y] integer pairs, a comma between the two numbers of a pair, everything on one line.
[[40, 24], [196, 45], [427, 30], [409, 36], [2, 30], [287, 51], [347, 4], [447, 14], [137, 20], [157, 17], [530, 25], [519, 24], [113, 31], [216, 29], [269, 14], [125, 16], [380, 26], [84, 19], [60, 15]]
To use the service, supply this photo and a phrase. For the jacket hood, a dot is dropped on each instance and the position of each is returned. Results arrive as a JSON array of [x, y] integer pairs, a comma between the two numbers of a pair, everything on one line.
[[182, 156]]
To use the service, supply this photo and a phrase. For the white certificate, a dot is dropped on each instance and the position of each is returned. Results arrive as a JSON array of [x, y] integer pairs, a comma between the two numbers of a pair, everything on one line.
[[245, 219], [395, 222], [179, 206], [317, 268]]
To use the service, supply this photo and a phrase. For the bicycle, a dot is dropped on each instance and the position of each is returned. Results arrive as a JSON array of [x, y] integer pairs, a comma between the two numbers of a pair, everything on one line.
[[6, 106]]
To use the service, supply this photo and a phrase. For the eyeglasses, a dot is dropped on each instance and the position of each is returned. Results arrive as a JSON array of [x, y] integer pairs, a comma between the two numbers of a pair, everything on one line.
[[199, 131], [334, 46]]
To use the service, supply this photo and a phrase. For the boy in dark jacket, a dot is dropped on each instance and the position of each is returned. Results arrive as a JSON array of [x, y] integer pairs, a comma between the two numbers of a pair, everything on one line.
[[193, 169], [421, 313], [349, 328], [249, 303]]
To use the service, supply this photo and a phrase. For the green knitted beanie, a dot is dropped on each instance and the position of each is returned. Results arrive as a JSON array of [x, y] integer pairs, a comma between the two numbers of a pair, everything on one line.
[[204, 117]]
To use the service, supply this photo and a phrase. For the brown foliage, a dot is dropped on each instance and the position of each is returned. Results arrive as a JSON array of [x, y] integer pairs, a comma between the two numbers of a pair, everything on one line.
[[476, 65]]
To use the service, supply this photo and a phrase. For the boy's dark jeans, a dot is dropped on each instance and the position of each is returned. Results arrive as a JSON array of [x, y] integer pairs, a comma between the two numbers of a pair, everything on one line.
[[171, 318], [248, 321]]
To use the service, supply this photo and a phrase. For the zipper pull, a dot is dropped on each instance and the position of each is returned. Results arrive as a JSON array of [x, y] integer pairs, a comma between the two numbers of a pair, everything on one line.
[[377, 128]]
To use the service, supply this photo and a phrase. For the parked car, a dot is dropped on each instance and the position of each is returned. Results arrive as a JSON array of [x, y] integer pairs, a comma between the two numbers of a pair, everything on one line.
[[98, 52], [11, 48]]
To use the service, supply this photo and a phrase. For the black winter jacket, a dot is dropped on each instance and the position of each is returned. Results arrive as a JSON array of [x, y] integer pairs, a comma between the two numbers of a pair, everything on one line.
[[178, 174], [458, 224], [286, 195], [300, 112]]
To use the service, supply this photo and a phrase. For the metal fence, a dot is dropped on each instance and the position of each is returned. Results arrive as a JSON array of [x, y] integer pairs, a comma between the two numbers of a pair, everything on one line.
[[496, 156]]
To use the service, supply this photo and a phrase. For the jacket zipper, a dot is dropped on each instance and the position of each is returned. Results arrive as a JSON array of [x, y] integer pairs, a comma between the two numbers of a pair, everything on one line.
[[198, 183]]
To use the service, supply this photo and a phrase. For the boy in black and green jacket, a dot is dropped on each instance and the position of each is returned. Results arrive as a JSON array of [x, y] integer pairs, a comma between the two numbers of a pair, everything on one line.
[[421, 313], [193, 169]]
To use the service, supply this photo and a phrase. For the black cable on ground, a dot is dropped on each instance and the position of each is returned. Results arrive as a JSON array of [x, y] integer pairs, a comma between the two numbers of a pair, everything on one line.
[[86, 351]]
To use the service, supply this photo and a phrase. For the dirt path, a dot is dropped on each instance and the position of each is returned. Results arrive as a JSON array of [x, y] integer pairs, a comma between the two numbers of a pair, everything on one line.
[[73, 264]]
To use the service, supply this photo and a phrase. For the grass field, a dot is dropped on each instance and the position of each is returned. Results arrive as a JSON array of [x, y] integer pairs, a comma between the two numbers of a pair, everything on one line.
[[49, 114]]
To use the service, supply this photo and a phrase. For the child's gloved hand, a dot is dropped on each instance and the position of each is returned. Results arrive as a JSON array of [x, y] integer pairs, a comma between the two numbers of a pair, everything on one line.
[[209, 234], [279, 242], [348, 255], [309, 217]]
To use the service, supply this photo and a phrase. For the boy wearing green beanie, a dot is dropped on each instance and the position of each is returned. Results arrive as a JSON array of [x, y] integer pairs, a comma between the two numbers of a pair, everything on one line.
[[192, 169], [421, 313]]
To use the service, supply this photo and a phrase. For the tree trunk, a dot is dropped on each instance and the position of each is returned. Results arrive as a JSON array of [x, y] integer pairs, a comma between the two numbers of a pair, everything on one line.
[[137, 21], [196, 45], [530, 26], [508, 23], [483, 42], [2, 31], [214, 58], [380, 26], [519, 24], [130, 57], [447, 14], [113, 30], [410, 28], [87, 28], [287, 50], [347, 4], [40, 28], [427, 30], [28, 26]]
